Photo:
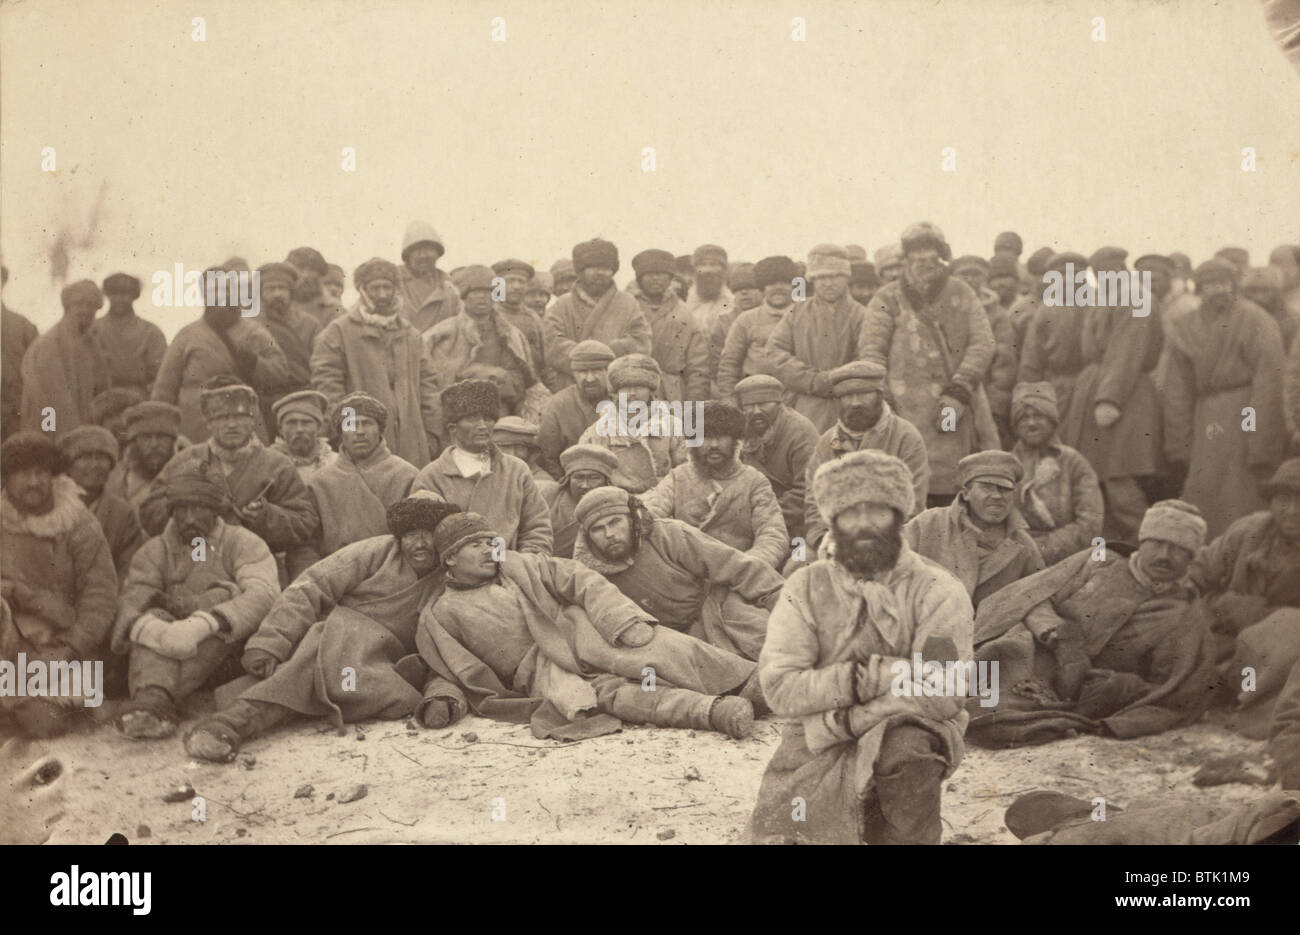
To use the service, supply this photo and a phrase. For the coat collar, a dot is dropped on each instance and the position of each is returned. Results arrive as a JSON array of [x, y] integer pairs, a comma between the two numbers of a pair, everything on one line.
[[62, 517]]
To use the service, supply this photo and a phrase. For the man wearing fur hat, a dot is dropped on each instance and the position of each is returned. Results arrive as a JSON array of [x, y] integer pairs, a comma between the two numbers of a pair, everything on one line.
[[931, 334], [180, 619], [373, 349], [299, 424], [474, 474], [778, 442], [708, 298], [863, 761], [568, 413], [981, 536], [1110, 643], [221, 343], [742, 352], [683, 577], [586, 467], [91, 452], [425, 294], [340, 641], [264, 492], [64, 369], [152, 434], [720, 495], [1001, 376], [516, 275], [594, 310], [677, 343], [647, 450], [865, 421], [1052, 348], [818, 335], [515, 436], [56, 576], [1224, 356], [1059, 496], [544, 641], [133, 348]]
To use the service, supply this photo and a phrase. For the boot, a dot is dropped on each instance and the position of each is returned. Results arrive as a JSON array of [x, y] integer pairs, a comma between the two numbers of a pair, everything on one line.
[[752, 691], [150, 715], [733, 716], [219, 737]]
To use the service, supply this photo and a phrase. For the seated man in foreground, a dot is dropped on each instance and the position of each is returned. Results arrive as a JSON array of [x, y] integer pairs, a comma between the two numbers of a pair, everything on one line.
[[529, 638]]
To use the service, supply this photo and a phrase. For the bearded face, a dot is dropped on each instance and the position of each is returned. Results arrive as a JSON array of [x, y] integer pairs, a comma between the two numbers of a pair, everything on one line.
[[1217, 295], [275, 297], [715, 456], [613, 538], [860, 411], [866, 542], [759, 418], [708, 280]]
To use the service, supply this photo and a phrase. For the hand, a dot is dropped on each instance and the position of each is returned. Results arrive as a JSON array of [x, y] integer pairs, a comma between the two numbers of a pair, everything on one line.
[[258, 663], [638, 634], [436, 713], [959, 410], [180, 639], [251, 512], [1105, 414]]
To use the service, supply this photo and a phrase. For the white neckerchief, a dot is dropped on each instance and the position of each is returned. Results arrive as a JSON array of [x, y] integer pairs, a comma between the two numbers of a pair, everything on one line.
[[470, 464]]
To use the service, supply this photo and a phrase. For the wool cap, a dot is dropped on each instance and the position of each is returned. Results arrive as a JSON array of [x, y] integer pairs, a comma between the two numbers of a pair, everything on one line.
[[863, 273], [122, 284], [595, 252], [855, 252], [590, 355], [277, 272], [501, 267], [1002, 264], [28, 449], [152, 417], [1108, 257], [79, 292], [471, 398], [1175, 521], [512, 430], [970, 261], [634, 370], [925, 234], [421, 232], [1237, 256], [303, 402], [309, 259], [828, 260], [196, 484], [1008, 240], [719, 419], [759, 388], [469, 278], [374, 268], [362, 404], [89, 439], [459, 529], [774, 269], [652, 261], [597, 504], [1038, 397], [542, 281], [741, 277], [1216, 268], [113, 402], [1286, 477], [709, 252], [563, 268], [223, 398], [596, 458], [420, 511], [867, 476], [996, 467], [857, 376], [1038, 260], [1154, 260], [889, 256]]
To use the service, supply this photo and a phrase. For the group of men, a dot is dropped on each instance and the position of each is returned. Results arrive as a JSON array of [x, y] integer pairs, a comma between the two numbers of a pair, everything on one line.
[[433, 503]]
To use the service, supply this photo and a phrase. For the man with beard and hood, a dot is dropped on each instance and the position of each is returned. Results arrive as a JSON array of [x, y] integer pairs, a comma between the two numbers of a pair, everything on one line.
[[684, 578], [1001, 375], [16, 335], [647, 448], [816, 336], [64, 369], [1250, 577], [593, 310], [1052, 348], [133, 348], [152, 434], [744, 351], [91, 452], [516, 275], [866, 421], [1225, 356], [681, 349], [353, 613], [569, 412], [586, 467], [56, 578], [545, 641], [222, 342], [981, 536], [293, 329], [299, 420], [933, 337], [778, 442], [425, 294], [264, 492], [374, 350], [181, 620], [864, 760], [475, 475], [720, 495], [1114, 643], [709, 297], [1059, 496]]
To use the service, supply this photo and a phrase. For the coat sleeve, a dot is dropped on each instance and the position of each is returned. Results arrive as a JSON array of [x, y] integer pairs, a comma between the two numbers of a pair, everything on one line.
[[558, 344], [1002, 372], [570, 582], [550, 442], [755, 580], [659, 498], [143, 586], [329, 364], [789, 369], [787, 667], [699, 368], [912, 453], [1089, 509], [980, 348], [1127, 346], [1033, 366], [878, 331], [1179, 404], [731, 359], [167, 383], [271, 371], [717, 340], [258, 583], [815, 528], [637, 337], [431, 404], [96, 580], [797, 456], [535, 534], [1267, 445], [771, 538], [1211, 569], [154, 352], [287, 519]]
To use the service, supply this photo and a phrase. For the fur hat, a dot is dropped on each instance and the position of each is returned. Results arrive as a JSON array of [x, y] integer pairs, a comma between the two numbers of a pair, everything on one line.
[[1039, 397], [374, 268], [563, 269], [709, 253], [1286, 477], [542, 281], [1216, 268], [888, 256], [113, 402], [970, 261], [652, 261], [742, 277], [471, 398], [634, 370], [855, 253], [88, 439], [997, 467], [83, 291], [309, 259], [469, 278], [225, 394], [195, 483], [1175, 521], [1237, 256], [774, 269], [595, 252], [153, 417], [867, 476], [122, 284], [362, 404], [759, 388], [863, 273], [501, 267], [303, 402], [27, 449], [721, 420], [1154, 260], [588, 458], [600, 503], [828, 260], [925, 234], [419, 512], [277, 272], [590, 355], [857, 376], [1059, 261], [458, 529]]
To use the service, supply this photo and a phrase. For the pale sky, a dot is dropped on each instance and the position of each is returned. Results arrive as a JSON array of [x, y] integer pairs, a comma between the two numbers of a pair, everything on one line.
[[524, 147]]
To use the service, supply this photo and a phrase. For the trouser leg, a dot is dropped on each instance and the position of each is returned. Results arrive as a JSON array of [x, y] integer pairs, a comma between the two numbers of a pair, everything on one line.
[[179, 678], [904, 804], [666, 706]]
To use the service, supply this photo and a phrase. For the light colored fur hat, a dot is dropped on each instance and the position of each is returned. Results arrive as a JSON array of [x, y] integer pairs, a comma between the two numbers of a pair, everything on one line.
[[863, 477]]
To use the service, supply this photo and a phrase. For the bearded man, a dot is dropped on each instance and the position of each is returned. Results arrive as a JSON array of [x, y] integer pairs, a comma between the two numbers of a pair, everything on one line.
[[299, 420], [152, 432], [778, 442], [569, 412]]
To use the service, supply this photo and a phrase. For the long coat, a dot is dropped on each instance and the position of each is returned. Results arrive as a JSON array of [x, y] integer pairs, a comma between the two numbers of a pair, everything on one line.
[[390, 364], [826, 626], [812, 339], [680, 348], [782, 457], [425, 303], [507, 496], [925, 346], [133, 349], [352, 498], [62, 370], [615, 319], [1052, 349]]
